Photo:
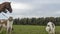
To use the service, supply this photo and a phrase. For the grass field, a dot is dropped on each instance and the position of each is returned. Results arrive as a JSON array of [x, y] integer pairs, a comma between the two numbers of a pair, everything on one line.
[[30, 29]]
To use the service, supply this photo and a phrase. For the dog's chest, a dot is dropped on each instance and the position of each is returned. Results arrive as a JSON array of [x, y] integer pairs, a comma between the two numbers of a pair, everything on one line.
[[9, 23]]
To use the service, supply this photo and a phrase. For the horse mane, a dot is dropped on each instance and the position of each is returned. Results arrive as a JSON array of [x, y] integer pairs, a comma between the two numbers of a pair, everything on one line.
[[6, 2]]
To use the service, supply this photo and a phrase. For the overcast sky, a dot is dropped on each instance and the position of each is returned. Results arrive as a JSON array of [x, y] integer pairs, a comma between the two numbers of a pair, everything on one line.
[[33, 8]]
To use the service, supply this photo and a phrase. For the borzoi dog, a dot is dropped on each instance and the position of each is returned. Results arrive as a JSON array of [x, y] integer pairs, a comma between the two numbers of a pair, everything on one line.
[[50, 28], [6, 24]]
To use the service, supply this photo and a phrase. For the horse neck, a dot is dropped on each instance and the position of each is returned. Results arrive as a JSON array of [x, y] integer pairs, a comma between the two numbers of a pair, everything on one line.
[[3, 5]]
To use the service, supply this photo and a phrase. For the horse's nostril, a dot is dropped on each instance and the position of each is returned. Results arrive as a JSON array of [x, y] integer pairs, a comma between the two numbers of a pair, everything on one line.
[[10, 12]]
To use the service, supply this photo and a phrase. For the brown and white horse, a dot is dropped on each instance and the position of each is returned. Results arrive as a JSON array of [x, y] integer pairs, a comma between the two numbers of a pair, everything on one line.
[[5, 6], [6, 24]]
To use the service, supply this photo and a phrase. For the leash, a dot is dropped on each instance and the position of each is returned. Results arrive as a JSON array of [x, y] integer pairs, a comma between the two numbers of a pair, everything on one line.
[[4, 15]]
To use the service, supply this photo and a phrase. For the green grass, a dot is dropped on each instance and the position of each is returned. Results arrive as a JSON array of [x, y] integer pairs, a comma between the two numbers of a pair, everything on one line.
[[31, 29]]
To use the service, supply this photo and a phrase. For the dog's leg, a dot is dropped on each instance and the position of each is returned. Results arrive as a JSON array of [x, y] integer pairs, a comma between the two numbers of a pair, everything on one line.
[[9, 30], [0, 28]]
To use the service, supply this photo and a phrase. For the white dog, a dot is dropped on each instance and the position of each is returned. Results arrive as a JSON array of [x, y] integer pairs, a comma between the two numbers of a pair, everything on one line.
[[50, 28], [6, 24]]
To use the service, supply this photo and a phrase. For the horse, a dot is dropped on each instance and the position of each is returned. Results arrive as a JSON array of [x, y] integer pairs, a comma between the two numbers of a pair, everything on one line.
[[50, 28], [7, 24], [5, 6]]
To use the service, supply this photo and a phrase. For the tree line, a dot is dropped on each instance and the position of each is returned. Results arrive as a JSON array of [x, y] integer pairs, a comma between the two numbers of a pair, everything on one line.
[[37, 21]]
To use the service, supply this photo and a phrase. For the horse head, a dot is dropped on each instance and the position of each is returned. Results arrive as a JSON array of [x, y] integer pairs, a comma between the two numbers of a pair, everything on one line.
[[8, 6]]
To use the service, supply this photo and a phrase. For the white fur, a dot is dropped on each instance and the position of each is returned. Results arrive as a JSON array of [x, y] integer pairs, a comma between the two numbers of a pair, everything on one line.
[[9, 24], [51, 28]]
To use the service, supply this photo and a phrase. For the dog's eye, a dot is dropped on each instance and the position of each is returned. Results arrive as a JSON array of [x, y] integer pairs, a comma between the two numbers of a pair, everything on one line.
[[48, 25]]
